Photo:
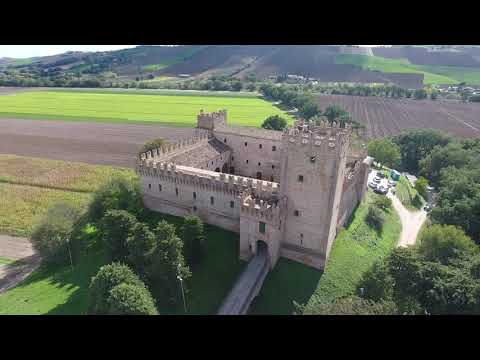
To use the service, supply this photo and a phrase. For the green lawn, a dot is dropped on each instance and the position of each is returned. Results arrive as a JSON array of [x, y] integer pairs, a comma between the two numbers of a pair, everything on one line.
[[120, 107], [434, 74], [6, 261], [354, 251]]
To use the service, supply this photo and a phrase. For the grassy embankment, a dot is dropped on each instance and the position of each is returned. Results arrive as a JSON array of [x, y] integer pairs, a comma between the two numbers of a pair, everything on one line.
[[175, 109], [62, 290], [354, 251], [433, 74]]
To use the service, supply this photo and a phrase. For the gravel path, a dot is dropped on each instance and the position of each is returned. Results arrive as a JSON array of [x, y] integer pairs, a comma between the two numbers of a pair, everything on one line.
[[24, 258], [412, 222]]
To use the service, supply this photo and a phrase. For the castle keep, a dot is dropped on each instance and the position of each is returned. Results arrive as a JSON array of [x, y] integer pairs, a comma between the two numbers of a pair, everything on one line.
[[288, 192]]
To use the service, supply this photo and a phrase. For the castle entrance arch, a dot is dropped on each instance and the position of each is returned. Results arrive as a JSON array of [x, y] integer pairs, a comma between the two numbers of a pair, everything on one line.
[[259, 175], [217, 169], [262, 247], [225, 168]]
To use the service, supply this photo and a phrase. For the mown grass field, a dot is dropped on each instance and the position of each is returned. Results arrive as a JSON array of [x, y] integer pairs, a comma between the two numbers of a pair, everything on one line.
[[62, 290], [354, 251], [128, 108], [434, 74]]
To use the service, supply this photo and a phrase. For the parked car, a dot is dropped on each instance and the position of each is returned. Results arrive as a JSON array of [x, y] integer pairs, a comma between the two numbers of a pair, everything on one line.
[[392, 183], [372, 185], [377, 179], [381, 190], [380, 175]]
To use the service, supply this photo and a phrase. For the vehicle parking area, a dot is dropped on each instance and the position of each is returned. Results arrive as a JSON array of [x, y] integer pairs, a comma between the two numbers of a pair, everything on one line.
[[379, 184]]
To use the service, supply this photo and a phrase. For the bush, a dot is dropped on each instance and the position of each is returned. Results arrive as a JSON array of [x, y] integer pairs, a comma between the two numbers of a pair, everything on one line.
[[193, 240], [140, 244], [353, 306], [106, 279], [274, 122], [115, 227], [383, 203], [421, 186], [52, 236], [118, 194], [375, 218], [444, 242], [129, 299]]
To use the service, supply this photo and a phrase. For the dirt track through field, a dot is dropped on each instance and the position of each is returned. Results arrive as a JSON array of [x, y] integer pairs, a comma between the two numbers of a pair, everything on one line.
[[96, 143]]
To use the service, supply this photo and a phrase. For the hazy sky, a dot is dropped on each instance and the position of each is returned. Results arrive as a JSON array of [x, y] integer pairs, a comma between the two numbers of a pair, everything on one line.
[[25, 51]]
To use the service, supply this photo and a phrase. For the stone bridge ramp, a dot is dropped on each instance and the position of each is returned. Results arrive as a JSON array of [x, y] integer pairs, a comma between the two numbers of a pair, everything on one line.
[[247, 286]]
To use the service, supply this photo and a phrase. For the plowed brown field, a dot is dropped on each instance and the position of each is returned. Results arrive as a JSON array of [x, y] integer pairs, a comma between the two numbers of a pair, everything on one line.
[[384, 117], [96, 143]]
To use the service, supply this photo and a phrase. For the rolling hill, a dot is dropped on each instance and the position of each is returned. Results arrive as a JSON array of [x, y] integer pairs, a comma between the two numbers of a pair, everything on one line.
[[406, 66]]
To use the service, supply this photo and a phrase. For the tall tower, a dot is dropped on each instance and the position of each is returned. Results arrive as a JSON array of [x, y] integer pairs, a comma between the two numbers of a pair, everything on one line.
[[313, 172]]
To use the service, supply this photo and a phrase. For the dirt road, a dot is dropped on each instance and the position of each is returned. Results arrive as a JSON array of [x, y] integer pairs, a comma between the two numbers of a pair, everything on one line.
[[412, 221], [18, 261]]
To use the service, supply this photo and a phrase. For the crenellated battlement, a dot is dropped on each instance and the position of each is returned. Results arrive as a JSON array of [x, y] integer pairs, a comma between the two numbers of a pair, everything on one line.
[[207, 179], [211, 120], [201, 136], [269, 210]]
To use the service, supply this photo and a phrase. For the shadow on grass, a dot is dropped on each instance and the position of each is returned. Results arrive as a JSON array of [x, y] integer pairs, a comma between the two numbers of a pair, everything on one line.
[[287, 283]]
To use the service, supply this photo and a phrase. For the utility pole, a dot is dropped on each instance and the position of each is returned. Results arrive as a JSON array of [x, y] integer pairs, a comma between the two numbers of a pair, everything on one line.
[[179, 277]]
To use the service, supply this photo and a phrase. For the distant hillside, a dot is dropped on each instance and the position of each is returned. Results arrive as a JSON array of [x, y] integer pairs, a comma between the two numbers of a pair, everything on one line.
[[405, 66]]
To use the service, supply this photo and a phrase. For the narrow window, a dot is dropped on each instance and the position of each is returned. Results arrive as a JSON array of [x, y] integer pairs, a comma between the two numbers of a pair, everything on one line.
[[149, 186], [211, 200], [232, 204], [212, 162], [274, 148], [261, 227], [273, 166], [245, 144], [247, 161], [194, 208], [225, 140], [232, 158], [159, 187], [176, 191], [300, 178], [260, 146], [301, 238], [194, 195], [296, 213], [259, 164]]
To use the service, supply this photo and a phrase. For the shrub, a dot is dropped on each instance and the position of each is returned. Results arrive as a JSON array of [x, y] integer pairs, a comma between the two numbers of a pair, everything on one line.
[[383, 203], [118, 194], [129, 299], [106, 279], [444, 242], [115, 227], [274, 122], [353, 306], [421, 186], [52, 236], [193, 240], [375, 218], [141, 243]]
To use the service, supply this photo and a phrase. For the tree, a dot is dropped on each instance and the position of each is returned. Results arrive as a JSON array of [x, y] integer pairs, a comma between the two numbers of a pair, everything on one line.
[[153, 144], [375, 218], [120, 193], [115, 228], [52, 236], [105, 280], [237, 86], [129, 299], [193, 240], [443, 242], [274, 122], [167, 262], [309, 109], [421, 186], [352, 305], [385, 152], [418, 144], [338, 114], [383, 203], [420, 94], [140, 244]]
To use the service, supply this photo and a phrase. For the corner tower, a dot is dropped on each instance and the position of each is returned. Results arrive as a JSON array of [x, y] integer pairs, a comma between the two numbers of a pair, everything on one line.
[[313, 172]]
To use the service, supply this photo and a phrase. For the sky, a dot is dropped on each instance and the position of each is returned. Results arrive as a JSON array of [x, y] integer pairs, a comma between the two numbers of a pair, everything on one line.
[[26, 51]]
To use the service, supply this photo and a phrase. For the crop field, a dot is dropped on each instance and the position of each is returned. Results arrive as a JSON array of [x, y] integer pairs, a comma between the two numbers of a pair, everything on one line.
[[29, 186], [433, 74], [386, 117], [122, 108]]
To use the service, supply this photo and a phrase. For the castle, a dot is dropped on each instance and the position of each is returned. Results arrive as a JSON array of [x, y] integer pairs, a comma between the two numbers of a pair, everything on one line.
[[288, 192]]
